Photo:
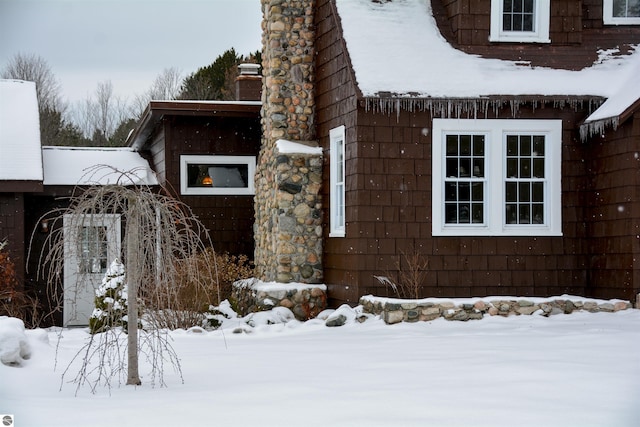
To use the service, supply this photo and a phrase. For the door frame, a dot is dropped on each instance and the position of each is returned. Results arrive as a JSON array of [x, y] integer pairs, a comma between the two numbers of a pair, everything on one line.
[[79, 287]]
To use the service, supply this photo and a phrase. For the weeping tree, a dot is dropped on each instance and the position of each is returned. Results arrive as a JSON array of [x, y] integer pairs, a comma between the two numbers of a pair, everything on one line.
[[162, 240]]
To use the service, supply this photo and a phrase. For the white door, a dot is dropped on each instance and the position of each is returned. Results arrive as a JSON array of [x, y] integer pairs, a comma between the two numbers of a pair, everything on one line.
[[91, 243]]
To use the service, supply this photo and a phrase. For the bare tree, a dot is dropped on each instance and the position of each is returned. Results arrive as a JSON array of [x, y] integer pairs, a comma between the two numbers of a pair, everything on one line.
[[34, 68], [160, 234], [99, 115], [166, 86]]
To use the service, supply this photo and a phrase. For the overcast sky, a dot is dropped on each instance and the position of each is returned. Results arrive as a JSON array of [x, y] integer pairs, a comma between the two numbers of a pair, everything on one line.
[[128, 42]]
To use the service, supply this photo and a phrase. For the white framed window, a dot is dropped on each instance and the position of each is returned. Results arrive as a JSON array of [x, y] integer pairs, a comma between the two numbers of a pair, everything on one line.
[[520, 21], [336, 182], [217, 175], [621, 12], [496, 177]]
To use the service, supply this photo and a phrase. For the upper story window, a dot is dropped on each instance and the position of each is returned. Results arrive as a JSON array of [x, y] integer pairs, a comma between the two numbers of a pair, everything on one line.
[[496, 177], [217, 175], [621, 12], [336, 182], [520, 21]]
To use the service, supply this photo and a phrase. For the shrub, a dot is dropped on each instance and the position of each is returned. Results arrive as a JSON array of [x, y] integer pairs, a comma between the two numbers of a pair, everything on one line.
[[202, 281], [110, 301], [14, 301], [411, 272]]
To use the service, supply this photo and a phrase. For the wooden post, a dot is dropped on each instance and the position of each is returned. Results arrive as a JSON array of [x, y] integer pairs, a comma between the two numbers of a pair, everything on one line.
[[132, 277]]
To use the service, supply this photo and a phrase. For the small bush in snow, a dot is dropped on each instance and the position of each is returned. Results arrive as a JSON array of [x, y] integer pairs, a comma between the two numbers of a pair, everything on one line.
[[110, 301]]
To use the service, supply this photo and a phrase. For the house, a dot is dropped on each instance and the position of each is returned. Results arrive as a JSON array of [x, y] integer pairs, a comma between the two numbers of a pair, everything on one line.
[[498, 142], [205, 153], [35, 180]]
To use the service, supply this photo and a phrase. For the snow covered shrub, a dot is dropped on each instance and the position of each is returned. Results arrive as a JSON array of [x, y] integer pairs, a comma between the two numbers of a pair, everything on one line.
[[14, 346], [110, 301]]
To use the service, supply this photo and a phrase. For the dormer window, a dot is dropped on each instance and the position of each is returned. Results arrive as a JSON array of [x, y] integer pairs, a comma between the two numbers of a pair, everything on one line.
[[524, 21], [621, 12]]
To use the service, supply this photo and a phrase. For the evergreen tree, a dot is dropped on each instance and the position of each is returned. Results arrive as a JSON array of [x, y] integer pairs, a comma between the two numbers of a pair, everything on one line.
[[110, 301], [208, 83]]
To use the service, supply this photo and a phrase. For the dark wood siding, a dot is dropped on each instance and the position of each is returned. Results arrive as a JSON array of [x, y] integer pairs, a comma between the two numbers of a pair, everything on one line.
[[12, 229], [614, 209], [336, 106], [389, 213], [229, 219]]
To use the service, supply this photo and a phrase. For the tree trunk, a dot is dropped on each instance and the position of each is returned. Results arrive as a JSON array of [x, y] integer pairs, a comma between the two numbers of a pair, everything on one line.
[[132, 271]]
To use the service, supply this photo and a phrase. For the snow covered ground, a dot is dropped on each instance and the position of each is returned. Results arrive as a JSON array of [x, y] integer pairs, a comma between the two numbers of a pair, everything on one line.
[[581, 369]]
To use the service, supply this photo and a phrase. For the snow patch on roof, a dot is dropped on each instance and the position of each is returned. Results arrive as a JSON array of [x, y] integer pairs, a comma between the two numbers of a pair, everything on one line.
[[397, 47], [20, 154], [95, 166]]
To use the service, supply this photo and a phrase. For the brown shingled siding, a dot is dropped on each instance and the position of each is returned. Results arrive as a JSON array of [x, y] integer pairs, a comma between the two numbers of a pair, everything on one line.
[[614, 209], [229, 219], [12, 229]]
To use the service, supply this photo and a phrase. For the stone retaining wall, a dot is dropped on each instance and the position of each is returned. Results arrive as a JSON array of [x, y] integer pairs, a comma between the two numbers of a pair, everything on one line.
[[305, 301], [414, 311]]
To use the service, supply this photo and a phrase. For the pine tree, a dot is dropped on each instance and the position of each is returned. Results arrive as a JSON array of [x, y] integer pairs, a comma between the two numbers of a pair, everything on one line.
[[110, 301]]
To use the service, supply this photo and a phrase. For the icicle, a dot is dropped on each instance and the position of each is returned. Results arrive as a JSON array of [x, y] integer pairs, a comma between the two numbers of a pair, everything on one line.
[[597, 127]]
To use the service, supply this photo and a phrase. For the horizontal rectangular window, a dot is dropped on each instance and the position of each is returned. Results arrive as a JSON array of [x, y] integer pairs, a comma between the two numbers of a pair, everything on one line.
[[217, 175], [496, 177]]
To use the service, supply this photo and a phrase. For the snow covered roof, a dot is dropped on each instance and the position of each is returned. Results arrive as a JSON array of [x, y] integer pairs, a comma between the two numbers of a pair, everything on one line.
[[95, 166], [20, 155], [396, 47]]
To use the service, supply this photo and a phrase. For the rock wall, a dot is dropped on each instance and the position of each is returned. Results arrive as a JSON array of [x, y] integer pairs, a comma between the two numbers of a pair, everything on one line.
[[287, 229], [305, 301], [424, 310]]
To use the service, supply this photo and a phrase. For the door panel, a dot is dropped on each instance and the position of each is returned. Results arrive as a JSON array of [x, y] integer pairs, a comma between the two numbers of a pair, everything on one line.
[[91, 243]]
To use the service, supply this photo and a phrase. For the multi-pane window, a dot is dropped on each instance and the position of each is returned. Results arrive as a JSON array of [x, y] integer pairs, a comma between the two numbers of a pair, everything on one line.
[[92, 249], [496, 177], [520, 21], [518, 15], [337, 182], [626, 8], [464, 181], [525, 179], [621, 12]]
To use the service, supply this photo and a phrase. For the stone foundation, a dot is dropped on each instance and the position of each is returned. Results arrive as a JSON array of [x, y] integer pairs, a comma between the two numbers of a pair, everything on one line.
[[396, 311], [252, 295]]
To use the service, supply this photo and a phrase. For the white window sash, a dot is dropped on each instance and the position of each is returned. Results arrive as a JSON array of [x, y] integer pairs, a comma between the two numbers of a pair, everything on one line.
[[337, 219], [542, 12], [186, 160], [495, 221], [609, 19]]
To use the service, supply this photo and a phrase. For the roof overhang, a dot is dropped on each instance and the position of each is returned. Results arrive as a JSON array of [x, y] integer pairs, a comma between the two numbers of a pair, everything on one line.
[[156, 110]]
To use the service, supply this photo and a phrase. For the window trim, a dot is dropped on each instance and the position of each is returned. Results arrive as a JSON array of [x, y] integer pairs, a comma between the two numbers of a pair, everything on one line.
[[337, 141], [186, 160], [540, 35], [495, 177], [609, 19]]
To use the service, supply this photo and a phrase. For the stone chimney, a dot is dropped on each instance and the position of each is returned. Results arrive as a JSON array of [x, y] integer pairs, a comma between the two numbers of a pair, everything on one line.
[[248, 83], [288, 205]]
